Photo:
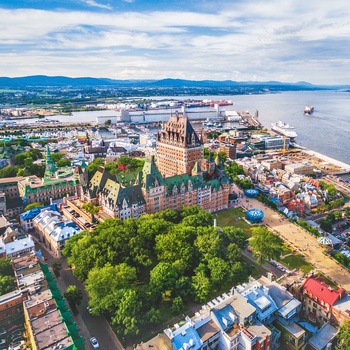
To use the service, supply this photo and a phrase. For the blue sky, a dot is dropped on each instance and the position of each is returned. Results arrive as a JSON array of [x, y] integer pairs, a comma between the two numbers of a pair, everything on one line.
[[242, 40]]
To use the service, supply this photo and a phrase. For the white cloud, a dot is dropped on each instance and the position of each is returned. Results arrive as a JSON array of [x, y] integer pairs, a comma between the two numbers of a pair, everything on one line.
[[270, 40], [93, 3]]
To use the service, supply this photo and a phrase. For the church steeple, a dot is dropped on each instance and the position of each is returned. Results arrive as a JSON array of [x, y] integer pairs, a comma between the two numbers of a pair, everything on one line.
[[50, 169]]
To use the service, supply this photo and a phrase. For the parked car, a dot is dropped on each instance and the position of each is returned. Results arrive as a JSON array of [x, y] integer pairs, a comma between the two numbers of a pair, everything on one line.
[[273, 263], [281, 268], [94, 343]]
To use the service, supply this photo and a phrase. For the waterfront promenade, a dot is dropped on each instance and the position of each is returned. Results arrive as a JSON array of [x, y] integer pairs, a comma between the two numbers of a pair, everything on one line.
[[303, 242]]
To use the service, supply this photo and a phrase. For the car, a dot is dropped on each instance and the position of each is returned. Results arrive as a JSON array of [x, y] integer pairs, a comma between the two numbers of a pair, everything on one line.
[[88, 310], [281, 268], [273, 263], [2, 341], [94, 343]]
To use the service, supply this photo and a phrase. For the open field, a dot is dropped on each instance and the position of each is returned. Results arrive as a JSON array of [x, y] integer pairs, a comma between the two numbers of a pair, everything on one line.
[[234, 217]]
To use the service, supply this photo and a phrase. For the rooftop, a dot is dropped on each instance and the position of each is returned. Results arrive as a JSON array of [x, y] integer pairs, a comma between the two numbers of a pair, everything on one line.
[[18, 246], [316, 288], [295, 329], [325, 335]]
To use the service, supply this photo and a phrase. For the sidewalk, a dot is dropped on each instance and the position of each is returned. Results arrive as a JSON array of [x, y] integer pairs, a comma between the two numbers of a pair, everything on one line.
[[305, 244], [83, 331]]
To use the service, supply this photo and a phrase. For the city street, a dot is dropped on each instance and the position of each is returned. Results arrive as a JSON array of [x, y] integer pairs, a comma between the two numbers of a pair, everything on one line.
[[88, 325]]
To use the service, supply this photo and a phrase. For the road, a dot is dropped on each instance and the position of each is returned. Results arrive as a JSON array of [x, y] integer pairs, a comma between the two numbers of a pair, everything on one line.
[[302, 241], [278, 273], [88, 325]]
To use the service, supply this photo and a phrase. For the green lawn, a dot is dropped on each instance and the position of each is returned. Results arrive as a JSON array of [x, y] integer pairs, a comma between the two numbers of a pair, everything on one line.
[[234, 217], [297, 262]]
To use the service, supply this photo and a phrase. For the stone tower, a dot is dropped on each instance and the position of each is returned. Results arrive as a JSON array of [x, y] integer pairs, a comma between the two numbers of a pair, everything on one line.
[[178, 147]]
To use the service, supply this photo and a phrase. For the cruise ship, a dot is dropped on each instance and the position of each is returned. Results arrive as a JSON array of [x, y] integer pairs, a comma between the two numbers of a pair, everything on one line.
[[284, 129]]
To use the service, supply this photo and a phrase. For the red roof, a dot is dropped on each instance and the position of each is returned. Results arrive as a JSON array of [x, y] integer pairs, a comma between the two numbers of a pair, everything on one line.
[[322, 291]]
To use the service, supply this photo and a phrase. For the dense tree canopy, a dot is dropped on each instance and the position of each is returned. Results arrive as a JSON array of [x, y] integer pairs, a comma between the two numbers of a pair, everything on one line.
[[130, 268], [7, 283], [265, 245]]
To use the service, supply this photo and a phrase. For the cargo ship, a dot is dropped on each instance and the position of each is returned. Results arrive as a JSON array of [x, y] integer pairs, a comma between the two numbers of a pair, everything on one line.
[[308, 110], [284, 129]]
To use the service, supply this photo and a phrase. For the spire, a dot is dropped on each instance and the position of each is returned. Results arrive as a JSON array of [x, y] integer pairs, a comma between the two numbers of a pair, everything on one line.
[[196, 169], [210, 158], [217, 160], [51, 168]]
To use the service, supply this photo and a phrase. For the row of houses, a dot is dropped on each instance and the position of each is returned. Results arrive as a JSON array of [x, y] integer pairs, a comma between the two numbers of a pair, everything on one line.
[[286, 184], [262, 315], [37, 306]]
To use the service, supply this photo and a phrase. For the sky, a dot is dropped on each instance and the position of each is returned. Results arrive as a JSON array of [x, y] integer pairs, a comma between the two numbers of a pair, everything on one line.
[[240, 40]]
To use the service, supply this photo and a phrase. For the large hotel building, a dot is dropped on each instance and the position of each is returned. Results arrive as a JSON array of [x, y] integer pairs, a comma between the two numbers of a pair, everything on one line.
[[181, 176]]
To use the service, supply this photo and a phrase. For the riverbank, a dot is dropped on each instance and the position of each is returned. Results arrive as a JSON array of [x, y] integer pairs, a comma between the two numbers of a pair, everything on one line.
[[344, 168]]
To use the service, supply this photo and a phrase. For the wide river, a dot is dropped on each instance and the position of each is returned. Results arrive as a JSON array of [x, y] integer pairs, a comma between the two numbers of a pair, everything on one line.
[[326, 131]]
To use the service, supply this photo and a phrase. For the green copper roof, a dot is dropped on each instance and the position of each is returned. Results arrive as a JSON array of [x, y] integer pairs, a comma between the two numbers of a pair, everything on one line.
[[50, 164], [151, 176]]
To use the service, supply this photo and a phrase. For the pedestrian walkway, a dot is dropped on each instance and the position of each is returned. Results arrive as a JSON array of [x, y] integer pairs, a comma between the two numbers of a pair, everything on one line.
[[306, 244], [83, 331]]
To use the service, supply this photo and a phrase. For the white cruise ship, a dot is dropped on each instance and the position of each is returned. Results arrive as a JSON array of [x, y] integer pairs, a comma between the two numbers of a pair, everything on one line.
[[284, 129]]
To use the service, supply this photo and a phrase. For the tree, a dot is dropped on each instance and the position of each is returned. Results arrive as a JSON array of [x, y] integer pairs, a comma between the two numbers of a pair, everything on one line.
[[102, 283], [57, 267], [127, 316], [347, 212], [163, 278], [208, 243], [152, 316], [33, 206], [174, 246], [73, 295], [233, 253], [265, 245], [343, 337], [6, 284], [9, 171], [108, 122], [63, 162], [93, 166], [92, 209], [235, 235], [202, 218], [56, 156], [177, 305], [326, 225], [6, 267], [219, 270], [201, 286]]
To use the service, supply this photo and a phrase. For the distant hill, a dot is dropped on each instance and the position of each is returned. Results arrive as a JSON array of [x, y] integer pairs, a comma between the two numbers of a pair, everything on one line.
[[62, 81]]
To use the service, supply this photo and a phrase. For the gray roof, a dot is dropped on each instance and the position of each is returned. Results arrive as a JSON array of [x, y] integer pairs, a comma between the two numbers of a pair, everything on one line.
[[325, 335]]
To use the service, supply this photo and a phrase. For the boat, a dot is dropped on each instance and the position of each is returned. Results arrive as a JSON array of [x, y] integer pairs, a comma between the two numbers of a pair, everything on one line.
[[308, 110], [284, 129]]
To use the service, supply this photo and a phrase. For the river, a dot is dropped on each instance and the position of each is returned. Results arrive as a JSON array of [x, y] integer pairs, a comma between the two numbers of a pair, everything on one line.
[[326, 131]]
